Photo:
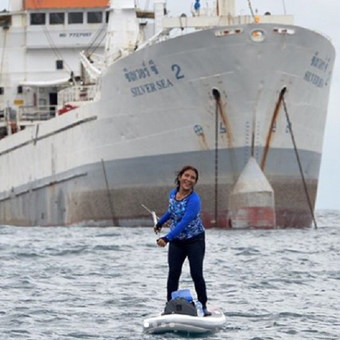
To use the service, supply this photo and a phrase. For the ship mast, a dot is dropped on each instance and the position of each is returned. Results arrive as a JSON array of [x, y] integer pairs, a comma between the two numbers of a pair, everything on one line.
[[123, 30], [15, 5], [225, 8]]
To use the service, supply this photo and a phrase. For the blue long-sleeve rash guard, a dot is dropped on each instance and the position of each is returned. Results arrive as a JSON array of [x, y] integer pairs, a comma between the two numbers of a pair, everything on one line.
[[184, 215]]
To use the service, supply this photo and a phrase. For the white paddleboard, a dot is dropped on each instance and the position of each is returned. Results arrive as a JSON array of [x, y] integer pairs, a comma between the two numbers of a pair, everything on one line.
[[185, 323]]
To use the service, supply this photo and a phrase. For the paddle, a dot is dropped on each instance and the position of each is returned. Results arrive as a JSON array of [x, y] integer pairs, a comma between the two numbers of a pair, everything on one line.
[[155, 218]]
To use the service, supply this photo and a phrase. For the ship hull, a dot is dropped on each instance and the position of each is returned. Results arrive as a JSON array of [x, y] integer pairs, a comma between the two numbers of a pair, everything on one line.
[[99, 163], [81, 196]]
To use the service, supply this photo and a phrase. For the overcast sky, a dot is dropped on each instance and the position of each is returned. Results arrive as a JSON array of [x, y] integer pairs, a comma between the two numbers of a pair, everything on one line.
[[322, 16]]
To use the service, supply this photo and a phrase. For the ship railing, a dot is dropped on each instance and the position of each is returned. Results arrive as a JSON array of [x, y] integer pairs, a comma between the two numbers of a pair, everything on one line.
[[37, 113], [204, 22], [158, 37], [77, 94], [28, 112]]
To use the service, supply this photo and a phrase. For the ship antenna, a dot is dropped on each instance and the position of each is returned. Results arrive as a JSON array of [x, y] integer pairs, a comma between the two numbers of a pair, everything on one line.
[[251, 9], [283, 91], [284, 7]]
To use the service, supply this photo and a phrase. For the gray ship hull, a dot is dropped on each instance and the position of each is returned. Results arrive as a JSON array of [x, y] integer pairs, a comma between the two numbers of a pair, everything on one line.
[[90, 202]]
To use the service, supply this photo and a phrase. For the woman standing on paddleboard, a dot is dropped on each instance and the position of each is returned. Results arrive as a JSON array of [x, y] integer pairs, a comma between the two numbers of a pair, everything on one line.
[[186, 237]]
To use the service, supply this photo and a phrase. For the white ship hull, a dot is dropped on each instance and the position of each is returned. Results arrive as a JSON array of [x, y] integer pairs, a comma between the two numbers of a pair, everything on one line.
[[98, 163], [214, 99]]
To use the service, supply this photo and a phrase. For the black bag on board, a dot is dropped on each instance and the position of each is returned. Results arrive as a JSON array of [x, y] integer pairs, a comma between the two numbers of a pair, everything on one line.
[[180, 306]]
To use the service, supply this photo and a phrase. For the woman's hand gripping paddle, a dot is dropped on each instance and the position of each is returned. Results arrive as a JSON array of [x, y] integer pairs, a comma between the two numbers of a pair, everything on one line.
[[155, 219]]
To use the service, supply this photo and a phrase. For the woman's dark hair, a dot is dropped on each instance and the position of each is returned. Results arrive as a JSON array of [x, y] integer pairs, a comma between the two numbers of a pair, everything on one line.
[[182, 171]]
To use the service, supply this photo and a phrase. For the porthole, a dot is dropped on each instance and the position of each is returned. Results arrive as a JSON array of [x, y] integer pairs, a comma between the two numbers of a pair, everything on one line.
[[257, 35]]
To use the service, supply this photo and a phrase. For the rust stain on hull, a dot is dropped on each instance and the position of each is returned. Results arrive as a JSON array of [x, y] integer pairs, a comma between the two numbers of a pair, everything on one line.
[[271, 129], [224, 117], [203, 142], [229, 138]]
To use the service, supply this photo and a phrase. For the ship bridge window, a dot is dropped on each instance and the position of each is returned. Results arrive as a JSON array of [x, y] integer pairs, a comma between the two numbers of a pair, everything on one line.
[[57, 18], [2, 90], [75, 18], [94, 17], [5, 21], [38, 18]]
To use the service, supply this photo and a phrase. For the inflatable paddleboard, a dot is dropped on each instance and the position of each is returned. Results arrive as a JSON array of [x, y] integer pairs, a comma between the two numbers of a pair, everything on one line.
[[185, 323]]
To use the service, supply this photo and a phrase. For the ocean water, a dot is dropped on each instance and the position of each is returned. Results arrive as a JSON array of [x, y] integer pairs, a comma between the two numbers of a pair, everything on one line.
[[100, 283]]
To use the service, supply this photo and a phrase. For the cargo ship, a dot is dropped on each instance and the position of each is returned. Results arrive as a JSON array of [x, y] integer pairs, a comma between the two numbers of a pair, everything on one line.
[[101, 103]]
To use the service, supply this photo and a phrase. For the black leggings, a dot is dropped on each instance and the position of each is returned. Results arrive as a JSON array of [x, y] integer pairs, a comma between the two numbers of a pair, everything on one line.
[[194, 249]]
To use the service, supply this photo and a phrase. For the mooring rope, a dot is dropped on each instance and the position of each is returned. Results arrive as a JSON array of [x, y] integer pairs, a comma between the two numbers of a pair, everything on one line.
[[114, 221], [216, 95], [297, 156]]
